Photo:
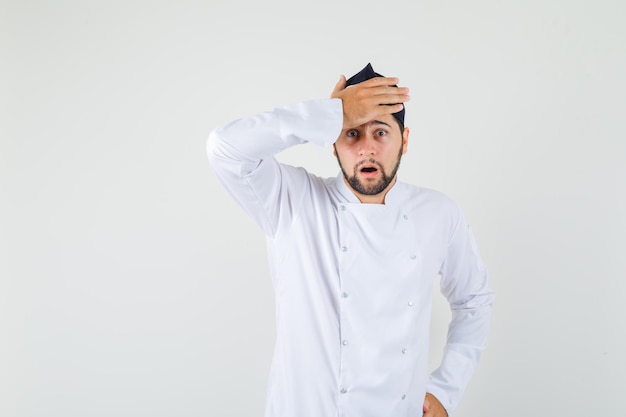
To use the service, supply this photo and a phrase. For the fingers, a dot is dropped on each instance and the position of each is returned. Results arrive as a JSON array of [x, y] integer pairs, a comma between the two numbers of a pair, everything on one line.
[[341, 84], [375, 86], [380, 81], [390, 98], [389, 90], [432, 407], [381, 86], [386, 94], [372, 98], [390, 108]]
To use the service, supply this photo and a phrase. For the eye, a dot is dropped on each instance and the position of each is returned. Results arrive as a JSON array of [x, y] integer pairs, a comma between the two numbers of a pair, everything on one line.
[[381, 132], [352, 133]]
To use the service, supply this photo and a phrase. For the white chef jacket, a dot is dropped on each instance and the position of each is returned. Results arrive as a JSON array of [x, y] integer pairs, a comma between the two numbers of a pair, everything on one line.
[[353, 282]]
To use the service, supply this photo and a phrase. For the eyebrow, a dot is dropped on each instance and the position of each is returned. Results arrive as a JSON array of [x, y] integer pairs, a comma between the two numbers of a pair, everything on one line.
[[374, 122], [378, 122]]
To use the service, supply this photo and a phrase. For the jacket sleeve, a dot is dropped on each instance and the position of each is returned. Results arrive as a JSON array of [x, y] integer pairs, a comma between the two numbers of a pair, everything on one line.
[[242, 155], [464, 284]]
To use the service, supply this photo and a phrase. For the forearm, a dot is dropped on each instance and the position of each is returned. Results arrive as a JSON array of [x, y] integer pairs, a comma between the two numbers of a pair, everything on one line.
[[247, 141], [467, 338], [464, 282]]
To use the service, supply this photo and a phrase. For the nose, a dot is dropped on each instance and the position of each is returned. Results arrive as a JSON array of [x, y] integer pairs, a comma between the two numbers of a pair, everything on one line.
[[367, 145]]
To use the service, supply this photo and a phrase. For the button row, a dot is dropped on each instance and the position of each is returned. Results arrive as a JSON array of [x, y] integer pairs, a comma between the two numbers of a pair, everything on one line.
[[345, 249], [344, 208], [345, 295], [345, 390], [404, 350]]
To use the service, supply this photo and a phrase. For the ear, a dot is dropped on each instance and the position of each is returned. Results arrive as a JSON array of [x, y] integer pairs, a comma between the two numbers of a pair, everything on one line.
[[405, 140], [334, 150]]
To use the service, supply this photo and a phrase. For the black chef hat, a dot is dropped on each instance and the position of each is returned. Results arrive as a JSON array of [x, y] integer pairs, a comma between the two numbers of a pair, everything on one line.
[[364, 75]]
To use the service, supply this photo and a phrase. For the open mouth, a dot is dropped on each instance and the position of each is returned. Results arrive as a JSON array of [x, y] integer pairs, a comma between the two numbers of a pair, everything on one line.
[[368, 171]]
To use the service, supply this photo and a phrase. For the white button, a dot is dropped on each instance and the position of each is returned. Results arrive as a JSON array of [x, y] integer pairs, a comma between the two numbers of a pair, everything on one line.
[[345, 343], [343, 390], [344, 295], [404, 351], [403, 396], [410, 303], [405, 217], [413, 257], [343, 208], [344, 248]]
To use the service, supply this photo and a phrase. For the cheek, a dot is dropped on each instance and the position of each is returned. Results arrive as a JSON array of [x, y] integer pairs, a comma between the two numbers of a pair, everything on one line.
[[344, 153]]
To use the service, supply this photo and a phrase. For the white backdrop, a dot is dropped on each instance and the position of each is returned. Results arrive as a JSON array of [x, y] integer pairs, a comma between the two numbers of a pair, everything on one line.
[[131, 285]]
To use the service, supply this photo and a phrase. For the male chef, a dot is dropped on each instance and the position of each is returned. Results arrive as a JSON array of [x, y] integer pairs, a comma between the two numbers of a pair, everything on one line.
[[354, 258]]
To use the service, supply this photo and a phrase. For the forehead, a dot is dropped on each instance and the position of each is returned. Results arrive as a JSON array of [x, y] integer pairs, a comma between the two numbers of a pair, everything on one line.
[[385, 120]]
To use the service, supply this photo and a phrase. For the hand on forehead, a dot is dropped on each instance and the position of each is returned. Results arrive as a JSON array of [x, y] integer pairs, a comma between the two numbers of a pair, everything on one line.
[[371, 97], [367, 73]]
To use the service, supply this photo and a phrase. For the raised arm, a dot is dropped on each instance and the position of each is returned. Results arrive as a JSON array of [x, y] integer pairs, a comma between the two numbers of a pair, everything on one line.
[[242, 155]]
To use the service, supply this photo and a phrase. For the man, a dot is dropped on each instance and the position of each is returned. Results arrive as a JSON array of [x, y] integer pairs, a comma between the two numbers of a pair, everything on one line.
[[353, 259]]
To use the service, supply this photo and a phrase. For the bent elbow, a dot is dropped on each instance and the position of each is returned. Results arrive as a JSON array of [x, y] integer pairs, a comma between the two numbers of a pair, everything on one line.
[[213, 145]]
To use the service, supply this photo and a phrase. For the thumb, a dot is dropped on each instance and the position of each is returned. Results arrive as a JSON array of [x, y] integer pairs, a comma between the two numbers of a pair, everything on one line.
[[426, 406], [341, 84]]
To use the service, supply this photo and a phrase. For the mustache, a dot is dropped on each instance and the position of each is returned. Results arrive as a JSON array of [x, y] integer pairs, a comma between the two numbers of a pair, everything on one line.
[[371, 161]]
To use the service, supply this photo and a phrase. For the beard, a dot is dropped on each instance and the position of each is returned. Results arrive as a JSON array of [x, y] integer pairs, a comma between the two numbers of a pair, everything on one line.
[[371, 187]]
